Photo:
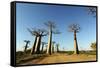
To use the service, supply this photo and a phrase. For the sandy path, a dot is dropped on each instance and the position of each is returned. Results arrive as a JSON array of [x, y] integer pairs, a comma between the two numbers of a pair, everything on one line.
[[60, 58]]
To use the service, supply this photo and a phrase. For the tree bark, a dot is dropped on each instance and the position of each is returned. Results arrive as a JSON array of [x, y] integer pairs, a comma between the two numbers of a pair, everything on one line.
[[25, 48], [34, 45], [37, 48], [49, 43], [39, 44], [42, 47], [53, 48], [75, 44], [57, 48]]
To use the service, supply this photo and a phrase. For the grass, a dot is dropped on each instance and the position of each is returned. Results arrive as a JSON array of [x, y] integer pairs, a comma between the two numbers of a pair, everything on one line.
[[89, 52], [67, 52]]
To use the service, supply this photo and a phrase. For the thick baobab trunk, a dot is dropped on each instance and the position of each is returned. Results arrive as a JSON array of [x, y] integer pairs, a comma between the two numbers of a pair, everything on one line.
[[46, 48], [49, 43], [34, 45], [39, 44], [75, 44], [53, 48], [57, 48], [37, 48], [42, 47]]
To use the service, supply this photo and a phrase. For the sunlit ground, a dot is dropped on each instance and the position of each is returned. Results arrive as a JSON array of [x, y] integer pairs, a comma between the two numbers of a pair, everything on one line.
[[59, 58]]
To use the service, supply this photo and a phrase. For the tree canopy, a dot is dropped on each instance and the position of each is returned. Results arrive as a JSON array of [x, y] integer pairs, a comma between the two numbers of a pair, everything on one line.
[[93, 45]]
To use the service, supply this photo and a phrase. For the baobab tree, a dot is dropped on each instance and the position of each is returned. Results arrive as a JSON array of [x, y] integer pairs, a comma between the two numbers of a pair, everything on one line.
[[92, 11], [51, 26], [46, 48], [53, 43], [43, 43], [41, 33], [38, 33], [34, 33], [26, 45], [57, 46], [75, 28]]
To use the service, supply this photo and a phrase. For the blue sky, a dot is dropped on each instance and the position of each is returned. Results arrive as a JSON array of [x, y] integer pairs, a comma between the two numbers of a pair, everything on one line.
[[35, 15]]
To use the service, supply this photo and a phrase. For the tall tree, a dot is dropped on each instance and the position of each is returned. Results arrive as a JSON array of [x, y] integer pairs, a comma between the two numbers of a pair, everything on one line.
[[50, 26], [92, 11], [53, 43], [26, 45], [46, 48], [57, 46], [75, 28], [34, 33], [51, 29], [43, 43], [41, 32]]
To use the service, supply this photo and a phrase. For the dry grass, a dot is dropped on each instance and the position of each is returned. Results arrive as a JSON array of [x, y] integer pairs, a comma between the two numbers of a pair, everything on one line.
[[61, 58]]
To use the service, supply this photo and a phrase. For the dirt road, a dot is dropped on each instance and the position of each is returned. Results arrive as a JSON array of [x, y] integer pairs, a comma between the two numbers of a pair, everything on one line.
[[60, 58]]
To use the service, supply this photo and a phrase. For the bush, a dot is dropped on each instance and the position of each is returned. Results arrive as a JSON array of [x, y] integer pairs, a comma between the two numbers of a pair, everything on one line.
[[93, 46]]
